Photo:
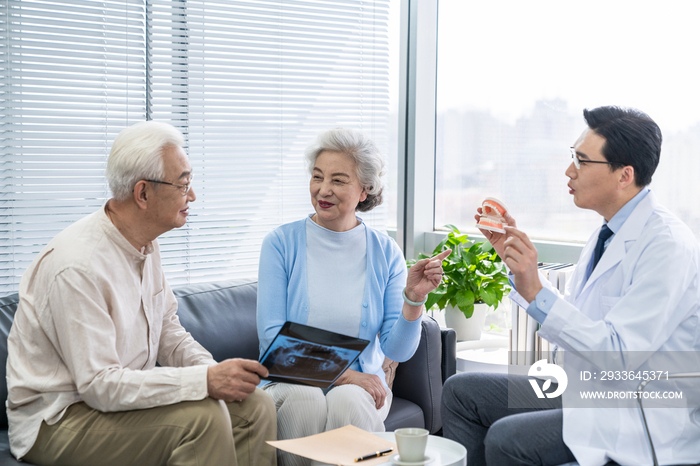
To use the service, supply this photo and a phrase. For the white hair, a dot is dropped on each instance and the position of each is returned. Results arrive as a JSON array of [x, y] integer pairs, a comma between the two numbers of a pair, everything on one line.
[[360, 148], [137, 154]]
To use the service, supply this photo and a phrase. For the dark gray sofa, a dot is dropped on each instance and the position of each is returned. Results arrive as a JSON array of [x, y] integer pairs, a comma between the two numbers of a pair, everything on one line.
[[221, 316]]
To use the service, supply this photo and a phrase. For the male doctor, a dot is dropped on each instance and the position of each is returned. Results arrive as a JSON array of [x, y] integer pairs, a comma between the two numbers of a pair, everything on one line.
[[635, 288]]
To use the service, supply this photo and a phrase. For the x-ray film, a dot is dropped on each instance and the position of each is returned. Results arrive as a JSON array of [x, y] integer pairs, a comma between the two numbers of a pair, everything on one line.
[[310, 356]]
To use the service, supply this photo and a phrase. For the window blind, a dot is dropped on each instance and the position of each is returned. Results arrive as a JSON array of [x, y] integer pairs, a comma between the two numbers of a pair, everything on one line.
[[73, 75], [250, 84]]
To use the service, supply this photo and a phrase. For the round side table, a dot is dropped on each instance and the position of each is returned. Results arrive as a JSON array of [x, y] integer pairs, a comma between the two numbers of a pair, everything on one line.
[[446, 452]]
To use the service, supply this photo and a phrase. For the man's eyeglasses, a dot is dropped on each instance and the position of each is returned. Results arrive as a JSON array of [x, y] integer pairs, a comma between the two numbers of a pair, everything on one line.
[[578, 162], [184, 188]]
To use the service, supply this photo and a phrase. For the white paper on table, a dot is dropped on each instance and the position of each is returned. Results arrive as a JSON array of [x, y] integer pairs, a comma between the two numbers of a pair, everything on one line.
[[338, 446]]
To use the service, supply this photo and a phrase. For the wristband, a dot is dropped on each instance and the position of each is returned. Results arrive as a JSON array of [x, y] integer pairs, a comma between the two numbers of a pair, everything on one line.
[[408, 301]]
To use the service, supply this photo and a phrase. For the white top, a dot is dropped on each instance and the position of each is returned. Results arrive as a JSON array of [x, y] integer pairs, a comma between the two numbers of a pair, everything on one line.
[[94, 316], [336, 268]]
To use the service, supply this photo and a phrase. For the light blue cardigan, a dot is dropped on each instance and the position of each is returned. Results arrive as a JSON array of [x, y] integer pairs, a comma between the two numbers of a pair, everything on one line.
[[283, 294]]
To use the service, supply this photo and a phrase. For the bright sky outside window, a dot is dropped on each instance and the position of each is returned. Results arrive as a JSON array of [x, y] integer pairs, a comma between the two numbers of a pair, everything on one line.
[[513, 80]]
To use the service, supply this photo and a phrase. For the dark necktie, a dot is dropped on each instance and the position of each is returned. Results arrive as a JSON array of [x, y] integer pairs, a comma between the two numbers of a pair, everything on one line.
[[603, 236]]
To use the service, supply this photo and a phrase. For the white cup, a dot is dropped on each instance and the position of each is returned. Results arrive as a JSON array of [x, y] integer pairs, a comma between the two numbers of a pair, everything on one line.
[[411, 442]]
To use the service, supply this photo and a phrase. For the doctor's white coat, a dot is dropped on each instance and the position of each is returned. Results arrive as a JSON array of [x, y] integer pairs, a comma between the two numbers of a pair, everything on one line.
[[644, 295]]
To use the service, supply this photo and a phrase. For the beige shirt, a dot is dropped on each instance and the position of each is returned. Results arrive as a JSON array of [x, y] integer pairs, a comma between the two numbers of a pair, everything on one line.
[[94, 316]]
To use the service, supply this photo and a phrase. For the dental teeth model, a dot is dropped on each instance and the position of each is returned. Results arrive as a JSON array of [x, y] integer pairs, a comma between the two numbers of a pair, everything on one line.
[[493, 214]]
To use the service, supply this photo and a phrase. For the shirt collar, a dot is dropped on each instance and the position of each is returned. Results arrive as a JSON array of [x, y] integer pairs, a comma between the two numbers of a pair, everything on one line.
[[623, 214], [114, 234]]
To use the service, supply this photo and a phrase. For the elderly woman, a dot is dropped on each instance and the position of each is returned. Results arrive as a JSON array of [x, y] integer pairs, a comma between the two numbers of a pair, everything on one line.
[[331, 271]]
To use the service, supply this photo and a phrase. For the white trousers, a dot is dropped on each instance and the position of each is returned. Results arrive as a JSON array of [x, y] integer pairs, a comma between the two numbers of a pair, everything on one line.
[[304, 411]]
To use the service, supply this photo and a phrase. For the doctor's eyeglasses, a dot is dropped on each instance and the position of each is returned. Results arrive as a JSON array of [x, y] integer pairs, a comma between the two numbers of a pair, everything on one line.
[[578, 162]]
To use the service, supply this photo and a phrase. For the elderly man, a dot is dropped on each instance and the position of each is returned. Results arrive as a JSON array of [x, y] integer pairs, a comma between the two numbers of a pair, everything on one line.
[[633, 297], [95, 316]]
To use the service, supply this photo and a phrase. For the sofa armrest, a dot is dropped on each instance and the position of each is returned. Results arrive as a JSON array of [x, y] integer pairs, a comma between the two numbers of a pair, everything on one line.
[[449, 353], [419, 379]]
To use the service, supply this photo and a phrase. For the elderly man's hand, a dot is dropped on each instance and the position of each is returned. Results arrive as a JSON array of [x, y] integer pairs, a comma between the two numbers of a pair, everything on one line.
[[234, 379], [520, 255]]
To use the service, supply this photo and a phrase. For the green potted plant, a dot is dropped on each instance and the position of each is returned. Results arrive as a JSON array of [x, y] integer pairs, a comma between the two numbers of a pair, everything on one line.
[[474, 280]]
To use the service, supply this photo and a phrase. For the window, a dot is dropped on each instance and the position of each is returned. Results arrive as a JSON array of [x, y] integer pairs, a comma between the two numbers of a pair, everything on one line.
[[512, 82], [73, 75], [249, 83]]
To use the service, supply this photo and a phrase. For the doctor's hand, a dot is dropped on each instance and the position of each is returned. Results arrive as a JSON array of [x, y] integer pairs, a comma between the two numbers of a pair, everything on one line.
[[496, 239], [520, 255], [234, 379], [370, 382]]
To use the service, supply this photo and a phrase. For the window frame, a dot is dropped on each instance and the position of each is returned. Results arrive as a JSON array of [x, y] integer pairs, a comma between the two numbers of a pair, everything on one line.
[[416, 230]]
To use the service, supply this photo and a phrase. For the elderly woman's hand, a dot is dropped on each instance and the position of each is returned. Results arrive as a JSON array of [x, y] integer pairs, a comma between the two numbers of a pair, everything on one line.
[[423, 277], [370, 382]]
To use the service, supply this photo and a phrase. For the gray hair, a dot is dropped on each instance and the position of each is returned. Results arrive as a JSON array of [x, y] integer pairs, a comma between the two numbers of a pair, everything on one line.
[[360, 148], [137, 155]]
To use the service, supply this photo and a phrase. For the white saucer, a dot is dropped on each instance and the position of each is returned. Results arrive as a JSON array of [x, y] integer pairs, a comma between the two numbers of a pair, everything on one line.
[[396, 460]]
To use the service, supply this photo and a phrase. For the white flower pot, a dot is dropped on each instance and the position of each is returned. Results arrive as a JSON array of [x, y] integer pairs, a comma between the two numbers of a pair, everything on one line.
[[466, 329]]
